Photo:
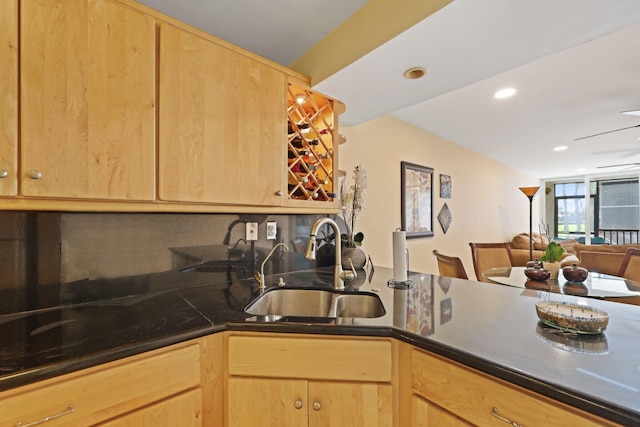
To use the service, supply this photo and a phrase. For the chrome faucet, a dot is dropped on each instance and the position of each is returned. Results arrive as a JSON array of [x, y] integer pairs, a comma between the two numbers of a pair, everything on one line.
[[262, 286], [339, 275]]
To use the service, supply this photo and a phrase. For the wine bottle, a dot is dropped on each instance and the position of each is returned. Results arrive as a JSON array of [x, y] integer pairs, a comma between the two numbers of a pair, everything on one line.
[[297, 168], [294, 154], [312, 133], [296, 192], [291, 127], [297, 142], [299, 177]]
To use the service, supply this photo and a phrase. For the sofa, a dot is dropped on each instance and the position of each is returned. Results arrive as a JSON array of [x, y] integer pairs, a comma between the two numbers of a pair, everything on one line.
[[601, 258], [519, 247]]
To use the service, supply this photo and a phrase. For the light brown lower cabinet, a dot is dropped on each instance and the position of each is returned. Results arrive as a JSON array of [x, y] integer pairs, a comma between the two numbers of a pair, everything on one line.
[[425, 414], [180, 410], [307, 380], [150, 389], [243, 379], [482, 400], [288, 402]]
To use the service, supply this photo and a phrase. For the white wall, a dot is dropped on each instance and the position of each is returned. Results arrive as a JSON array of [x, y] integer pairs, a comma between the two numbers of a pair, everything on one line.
[[486, 204]]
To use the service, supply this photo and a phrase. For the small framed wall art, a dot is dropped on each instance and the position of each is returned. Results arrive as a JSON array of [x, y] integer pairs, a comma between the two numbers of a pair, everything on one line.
[[445, 186], [444, 217], [417, 200]]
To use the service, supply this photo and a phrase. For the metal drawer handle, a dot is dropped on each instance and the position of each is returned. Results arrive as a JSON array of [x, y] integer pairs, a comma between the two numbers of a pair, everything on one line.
[[70, 410], [4, 173], [297, 404], [494, 412], [34, 174]]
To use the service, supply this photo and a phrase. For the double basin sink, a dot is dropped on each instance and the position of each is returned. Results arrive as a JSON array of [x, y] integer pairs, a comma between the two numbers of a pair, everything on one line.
[[316, 303]]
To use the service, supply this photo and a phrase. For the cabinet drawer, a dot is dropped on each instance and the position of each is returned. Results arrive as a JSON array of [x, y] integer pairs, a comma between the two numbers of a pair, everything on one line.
[[182, 410], [473, 396], [96, 394], [312, 358]]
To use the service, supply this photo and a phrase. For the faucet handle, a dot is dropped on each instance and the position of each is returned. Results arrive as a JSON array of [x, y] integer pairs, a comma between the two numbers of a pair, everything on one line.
[[349, 275]]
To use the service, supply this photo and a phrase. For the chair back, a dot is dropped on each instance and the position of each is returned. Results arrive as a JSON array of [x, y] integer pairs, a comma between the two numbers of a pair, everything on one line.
[[450, 266], [630, 266], [490, 255]]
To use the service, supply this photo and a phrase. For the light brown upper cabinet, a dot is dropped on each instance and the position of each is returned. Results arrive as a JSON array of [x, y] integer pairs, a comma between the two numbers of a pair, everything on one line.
[[8, 97], [221, 123], [87, 100]]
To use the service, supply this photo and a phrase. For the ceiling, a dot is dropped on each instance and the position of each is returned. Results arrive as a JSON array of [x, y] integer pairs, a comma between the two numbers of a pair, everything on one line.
[[575, 65]]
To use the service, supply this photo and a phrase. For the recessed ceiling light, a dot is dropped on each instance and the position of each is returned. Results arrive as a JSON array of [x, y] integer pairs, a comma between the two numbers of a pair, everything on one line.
[[414, 73], [507, 92], [631, 113], [560, 148]]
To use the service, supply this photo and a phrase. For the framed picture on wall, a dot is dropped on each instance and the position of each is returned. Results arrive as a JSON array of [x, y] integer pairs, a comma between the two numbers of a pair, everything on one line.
[[445, 186], [417, 200]]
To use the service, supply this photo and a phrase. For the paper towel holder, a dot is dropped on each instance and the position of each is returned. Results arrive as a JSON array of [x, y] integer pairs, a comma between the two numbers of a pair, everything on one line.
[[395, 284]]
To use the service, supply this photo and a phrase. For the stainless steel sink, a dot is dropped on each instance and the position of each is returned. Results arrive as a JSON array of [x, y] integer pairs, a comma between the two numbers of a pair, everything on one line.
[[306, 302]]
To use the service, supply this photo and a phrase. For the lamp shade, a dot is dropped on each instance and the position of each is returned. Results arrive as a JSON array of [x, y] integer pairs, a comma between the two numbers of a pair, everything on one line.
[[529, 191]]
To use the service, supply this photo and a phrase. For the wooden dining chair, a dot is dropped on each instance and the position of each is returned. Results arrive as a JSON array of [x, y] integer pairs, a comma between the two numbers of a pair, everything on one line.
[[630, 266], [450, 266], [490, 255]]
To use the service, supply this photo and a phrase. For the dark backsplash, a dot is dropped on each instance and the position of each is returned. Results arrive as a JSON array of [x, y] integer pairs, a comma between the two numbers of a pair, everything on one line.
[[44, 253]]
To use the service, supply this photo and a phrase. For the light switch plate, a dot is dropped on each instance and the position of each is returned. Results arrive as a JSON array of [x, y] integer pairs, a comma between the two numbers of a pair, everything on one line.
[[272, 230], [251, 231]]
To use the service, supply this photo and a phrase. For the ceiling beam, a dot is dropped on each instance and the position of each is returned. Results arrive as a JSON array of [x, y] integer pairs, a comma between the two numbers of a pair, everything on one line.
[[373, 25]]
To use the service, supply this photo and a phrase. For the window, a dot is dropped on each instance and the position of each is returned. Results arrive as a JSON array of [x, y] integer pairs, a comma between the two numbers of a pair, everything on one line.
[[616, 202]]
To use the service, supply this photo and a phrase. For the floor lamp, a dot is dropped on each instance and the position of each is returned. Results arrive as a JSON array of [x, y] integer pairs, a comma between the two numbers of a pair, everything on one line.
[[530, 192]]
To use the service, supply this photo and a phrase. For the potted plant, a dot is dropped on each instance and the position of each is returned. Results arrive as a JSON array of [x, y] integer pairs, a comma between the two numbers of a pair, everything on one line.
[[551, 259], [352, 198]]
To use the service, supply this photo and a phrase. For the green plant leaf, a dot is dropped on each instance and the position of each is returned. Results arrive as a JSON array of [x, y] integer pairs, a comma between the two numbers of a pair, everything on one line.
[[552, 253], [356, 241]]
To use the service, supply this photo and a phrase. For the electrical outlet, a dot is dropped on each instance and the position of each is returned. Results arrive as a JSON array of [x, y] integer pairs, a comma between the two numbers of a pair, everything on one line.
[[251, 231], [272, 230]]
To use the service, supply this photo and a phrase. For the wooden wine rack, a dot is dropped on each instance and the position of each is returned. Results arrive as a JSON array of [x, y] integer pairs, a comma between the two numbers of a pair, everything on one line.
[[311, 144]]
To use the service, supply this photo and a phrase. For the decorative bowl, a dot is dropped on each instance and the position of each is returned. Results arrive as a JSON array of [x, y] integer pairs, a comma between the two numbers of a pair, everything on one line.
[[569, 317], [535, 263], [537, 273], [573, 273]]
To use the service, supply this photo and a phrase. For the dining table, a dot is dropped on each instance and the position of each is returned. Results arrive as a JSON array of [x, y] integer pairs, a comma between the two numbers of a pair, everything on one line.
[[596, 285]]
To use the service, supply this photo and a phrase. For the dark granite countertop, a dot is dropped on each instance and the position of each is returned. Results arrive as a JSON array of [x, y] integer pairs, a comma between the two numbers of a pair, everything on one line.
[[489, 327]]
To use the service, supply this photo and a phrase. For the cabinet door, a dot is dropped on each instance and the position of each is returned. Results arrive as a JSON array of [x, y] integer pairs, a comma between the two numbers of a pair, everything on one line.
[[8, 97], [221, 123], [426, 414], [267, 402], [94, 395], [183, 410], [350, 404], [485, 400], [88, 100]]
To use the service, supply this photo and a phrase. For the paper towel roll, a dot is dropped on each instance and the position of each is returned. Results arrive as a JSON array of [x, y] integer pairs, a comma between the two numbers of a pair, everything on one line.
[[399, 256]]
